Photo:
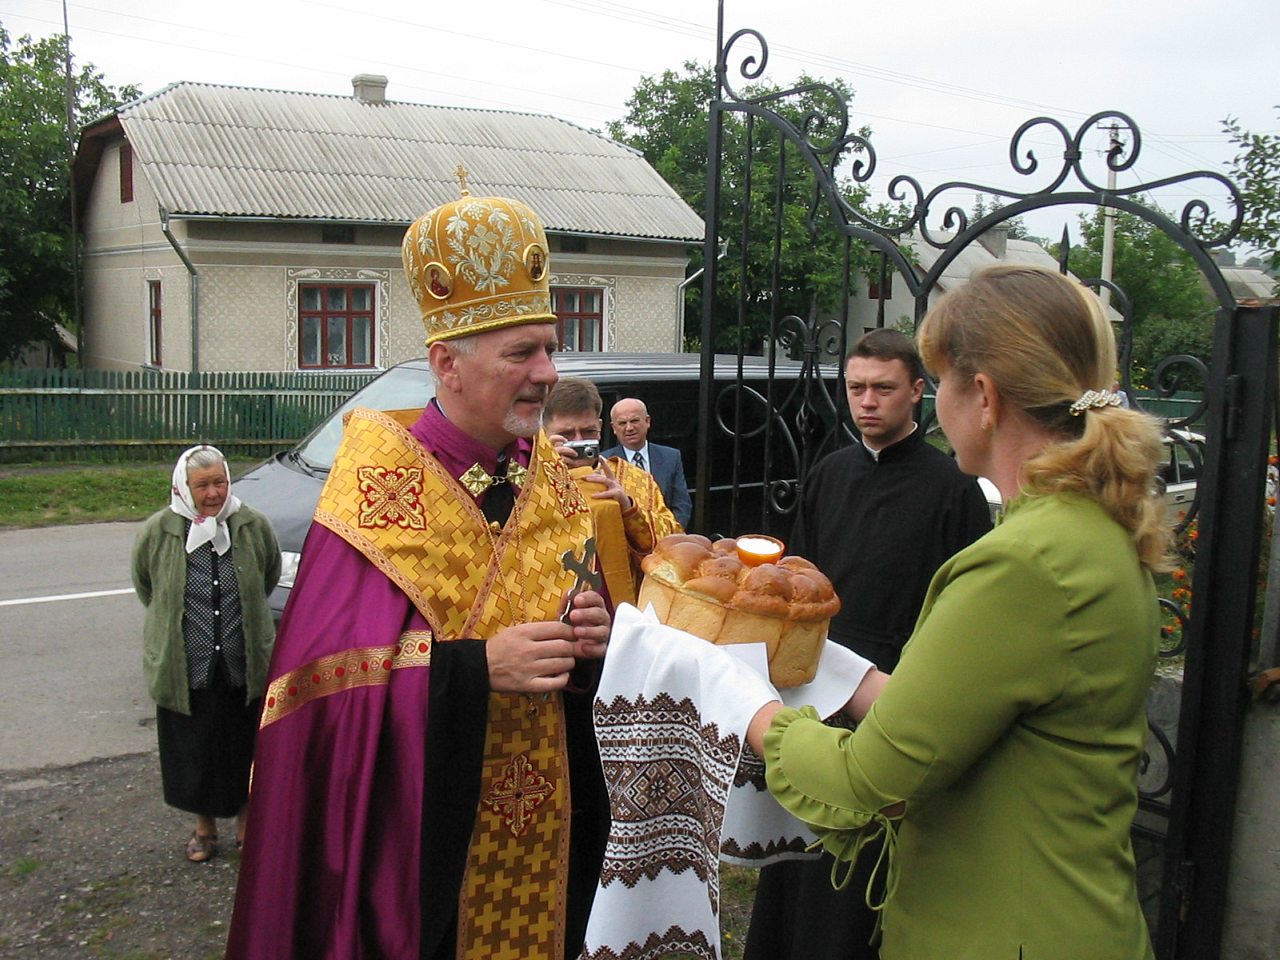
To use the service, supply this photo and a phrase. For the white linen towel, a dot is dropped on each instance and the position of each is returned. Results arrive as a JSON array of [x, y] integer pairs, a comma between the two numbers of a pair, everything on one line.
[[671, 716]]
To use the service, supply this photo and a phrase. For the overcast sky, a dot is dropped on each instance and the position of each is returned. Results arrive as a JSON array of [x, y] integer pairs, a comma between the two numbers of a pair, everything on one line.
[[942, 83]]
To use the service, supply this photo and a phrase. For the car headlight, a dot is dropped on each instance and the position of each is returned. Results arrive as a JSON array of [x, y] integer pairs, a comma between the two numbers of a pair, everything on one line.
[[288, 567]]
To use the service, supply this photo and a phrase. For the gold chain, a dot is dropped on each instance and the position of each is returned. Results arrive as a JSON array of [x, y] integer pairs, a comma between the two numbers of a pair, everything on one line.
[[493, 531]]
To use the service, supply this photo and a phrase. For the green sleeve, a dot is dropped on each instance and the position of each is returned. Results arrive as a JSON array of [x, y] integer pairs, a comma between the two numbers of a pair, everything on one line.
[[989, 646], [141, 566]]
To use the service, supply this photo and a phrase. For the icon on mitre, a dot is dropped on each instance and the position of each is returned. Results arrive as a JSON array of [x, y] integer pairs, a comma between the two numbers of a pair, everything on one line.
[[439, 280], [535, 261]]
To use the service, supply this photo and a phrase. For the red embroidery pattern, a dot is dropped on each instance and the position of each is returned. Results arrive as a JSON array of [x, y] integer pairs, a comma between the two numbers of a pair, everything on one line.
[[391, 497], [566, 491], [343, 671], [518, 793]]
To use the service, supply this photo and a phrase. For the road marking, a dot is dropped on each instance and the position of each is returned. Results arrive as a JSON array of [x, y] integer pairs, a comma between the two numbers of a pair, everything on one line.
[[65, 596]]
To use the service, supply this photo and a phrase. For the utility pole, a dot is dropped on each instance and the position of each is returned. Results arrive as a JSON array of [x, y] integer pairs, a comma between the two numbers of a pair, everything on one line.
[[1109, 216], [71, 180]]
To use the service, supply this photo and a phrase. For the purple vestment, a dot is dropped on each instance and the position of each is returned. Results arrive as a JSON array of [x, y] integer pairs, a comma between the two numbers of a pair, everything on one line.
[[332, 857]]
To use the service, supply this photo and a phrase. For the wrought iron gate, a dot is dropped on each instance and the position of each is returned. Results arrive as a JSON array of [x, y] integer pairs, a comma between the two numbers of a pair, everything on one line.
[[1188, 787]]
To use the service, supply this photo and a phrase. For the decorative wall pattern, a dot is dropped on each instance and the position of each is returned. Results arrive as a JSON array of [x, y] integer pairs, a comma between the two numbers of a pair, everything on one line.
[[239, 320], [407, 333], [646, 315]]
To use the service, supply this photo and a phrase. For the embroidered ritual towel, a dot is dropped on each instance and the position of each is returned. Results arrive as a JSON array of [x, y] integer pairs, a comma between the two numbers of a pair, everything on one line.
[[671, 715]]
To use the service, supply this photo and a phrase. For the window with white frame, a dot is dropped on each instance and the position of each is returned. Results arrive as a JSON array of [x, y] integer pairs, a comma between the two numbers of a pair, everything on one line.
[[155, 318], [336, 325]]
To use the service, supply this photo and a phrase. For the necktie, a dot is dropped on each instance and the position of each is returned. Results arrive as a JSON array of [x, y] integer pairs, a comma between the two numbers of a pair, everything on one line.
[[499, 498], [638, 460]]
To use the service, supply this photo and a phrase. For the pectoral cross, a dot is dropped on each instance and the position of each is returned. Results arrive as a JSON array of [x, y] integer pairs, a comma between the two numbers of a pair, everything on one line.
[[587, 575], [462, 173]]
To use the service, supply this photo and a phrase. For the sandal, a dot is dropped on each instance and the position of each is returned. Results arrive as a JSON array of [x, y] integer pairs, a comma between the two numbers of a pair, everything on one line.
[[201, 847]]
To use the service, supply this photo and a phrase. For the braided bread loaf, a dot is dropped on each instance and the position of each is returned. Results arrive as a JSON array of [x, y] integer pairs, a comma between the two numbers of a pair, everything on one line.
[[704, 588]]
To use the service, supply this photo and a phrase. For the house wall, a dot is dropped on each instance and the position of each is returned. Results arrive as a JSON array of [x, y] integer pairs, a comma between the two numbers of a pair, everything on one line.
[[249, 273], [124, 247]]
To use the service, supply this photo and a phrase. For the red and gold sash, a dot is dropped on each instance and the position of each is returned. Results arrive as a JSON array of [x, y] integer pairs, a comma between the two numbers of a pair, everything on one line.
[[401, 509]]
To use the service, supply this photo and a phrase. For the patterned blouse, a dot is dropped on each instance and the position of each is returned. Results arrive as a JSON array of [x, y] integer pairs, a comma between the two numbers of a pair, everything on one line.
[[212, 621]]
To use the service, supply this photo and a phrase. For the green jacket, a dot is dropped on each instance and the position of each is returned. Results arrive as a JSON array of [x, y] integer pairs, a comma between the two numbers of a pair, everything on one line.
[[1012, 729], [160, 578]]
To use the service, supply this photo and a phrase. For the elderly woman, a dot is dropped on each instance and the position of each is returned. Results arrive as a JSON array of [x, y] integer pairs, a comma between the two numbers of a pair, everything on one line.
[[203, 569], [1000, 761]]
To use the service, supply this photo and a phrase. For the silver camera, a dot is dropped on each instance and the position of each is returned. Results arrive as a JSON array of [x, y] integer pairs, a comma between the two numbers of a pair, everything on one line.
[[584, 449]]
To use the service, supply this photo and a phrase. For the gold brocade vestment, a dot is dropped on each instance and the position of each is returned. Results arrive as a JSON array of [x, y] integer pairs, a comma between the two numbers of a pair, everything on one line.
[[623, 539], [401, 509]]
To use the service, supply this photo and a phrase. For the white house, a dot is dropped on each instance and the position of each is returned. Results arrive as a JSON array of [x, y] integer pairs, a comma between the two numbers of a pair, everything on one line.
[[236, 229]]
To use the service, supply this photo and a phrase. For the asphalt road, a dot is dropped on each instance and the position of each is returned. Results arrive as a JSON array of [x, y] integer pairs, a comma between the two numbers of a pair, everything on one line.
[[71, 688]]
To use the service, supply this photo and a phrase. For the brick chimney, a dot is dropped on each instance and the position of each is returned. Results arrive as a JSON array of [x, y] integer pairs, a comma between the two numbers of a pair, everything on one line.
[[996, 240], [369, 87]]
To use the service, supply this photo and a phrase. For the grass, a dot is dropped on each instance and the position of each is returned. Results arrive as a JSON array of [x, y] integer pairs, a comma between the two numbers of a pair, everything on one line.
[[737, 894], [23, 867], [45, 496]]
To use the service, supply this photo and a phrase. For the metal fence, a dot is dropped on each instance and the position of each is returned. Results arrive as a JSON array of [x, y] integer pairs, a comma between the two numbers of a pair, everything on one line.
[[104, 415]]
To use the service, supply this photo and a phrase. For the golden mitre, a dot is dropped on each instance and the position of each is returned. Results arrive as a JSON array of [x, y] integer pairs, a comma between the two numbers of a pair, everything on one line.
[[476, 264]]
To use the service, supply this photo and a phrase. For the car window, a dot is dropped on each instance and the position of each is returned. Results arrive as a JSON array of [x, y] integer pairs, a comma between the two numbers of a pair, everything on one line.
[[400, 388], [1187, 462]]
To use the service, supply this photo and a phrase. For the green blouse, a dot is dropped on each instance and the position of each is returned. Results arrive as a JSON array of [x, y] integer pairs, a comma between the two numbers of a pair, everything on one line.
[[1012, 729]]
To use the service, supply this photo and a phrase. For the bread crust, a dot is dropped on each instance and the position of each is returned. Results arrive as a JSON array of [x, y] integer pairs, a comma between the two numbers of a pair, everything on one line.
[[704, 588]]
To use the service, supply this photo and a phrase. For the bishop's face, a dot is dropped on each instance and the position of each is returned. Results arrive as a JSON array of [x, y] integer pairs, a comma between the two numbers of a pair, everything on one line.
[[496, 391]]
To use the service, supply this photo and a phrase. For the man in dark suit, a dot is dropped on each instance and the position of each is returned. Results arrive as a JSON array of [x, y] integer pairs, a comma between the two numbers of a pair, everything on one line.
[[631, 422]]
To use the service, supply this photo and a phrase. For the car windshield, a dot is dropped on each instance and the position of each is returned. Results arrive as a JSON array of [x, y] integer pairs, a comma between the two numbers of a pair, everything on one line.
[[400, 388]]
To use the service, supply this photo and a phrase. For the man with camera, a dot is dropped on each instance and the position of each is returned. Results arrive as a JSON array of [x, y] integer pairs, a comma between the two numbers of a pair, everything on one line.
[[629, 510]]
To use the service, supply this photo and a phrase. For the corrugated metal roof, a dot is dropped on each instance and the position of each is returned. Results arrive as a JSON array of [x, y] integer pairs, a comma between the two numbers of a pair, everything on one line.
[[1249, 283], [243, 152]]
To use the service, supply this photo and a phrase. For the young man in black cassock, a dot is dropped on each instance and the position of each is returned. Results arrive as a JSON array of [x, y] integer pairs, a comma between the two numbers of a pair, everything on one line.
[[878, 517]]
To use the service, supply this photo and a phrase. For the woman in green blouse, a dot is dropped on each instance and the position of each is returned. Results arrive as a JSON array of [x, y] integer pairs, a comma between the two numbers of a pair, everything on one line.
[[1001, 760]]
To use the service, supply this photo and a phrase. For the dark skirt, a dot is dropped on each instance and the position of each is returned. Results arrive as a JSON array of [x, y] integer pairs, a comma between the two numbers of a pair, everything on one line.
[[205, 757], [798, 915]]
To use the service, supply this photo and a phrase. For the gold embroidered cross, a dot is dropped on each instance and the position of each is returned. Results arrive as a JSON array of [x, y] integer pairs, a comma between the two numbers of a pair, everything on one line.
[[391, 497], [518, 793]]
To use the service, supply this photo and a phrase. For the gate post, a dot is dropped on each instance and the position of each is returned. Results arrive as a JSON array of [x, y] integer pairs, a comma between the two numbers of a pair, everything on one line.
[[1219, 634]]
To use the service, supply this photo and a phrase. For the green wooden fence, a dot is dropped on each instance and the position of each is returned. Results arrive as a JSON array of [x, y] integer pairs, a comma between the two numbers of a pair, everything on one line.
[[104, 415]]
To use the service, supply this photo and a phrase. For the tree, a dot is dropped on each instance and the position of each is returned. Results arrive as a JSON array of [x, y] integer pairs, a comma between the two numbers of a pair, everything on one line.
[[668, 120], [1256, 171], [36, 277], [1171, 308], [1017, 229]]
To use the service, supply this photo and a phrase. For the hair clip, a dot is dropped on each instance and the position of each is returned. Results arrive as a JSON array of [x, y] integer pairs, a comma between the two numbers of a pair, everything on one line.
[[1093, 399]]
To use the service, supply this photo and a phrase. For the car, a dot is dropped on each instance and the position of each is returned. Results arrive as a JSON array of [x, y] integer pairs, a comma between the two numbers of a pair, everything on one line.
[[287, 486], [1179, 472]]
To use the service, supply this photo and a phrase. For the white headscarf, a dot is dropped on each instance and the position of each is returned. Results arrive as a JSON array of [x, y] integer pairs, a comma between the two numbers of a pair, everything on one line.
[[203, 529]]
